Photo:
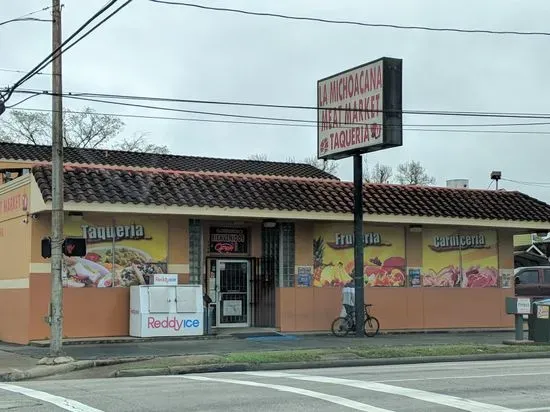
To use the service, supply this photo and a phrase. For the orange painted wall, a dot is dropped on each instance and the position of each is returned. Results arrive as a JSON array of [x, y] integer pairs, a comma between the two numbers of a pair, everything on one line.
[[88, 312], [14, 315], [91, 312], [313, 309], [178, 241], [15, 251], [104, 312]]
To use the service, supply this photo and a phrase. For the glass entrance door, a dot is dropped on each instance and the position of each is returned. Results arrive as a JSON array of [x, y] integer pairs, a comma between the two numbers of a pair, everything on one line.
[[233, 280]]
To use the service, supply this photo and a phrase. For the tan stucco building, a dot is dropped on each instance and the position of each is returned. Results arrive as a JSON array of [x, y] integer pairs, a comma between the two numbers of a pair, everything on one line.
[[270, 242]]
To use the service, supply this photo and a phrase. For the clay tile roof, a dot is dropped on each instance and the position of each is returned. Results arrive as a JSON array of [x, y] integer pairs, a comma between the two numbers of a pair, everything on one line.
[[291, 194], [38, 153]]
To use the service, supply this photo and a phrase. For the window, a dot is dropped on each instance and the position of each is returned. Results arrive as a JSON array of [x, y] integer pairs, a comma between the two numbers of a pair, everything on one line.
[[528, 277], [195, 241], [288, 249], [546, 277]]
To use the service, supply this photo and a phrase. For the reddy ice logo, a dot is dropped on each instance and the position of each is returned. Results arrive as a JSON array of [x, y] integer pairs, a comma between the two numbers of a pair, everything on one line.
[[175, 324]]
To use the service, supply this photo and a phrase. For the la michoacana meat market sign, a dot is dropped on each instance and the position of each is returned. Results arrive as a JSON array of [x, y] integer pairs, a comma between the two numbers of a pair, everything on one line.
[[360, 110]]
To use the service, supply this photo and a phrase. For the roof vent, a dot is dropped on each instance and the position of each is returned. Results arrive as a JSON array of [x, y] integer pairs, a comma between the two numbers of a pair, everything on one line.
[[458, 183]]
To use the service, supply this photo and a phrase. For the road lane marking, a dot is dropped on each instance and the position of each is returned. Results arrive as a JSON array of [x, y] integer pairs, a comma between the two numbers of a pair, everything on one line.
[[63, 403], [435, 378], [543, 409], [305, 392], [431, 397]]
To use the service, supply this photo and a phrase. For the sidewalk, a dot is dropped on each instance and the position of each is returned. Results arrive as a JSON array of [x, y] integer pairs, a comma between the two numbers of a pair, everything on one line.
[[163, 348], [11, 362]]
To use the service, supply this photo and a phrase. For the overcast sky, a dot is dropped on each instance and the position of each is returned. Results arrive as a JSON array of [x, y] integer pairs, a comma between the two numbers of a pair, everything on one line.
[[169, 51]]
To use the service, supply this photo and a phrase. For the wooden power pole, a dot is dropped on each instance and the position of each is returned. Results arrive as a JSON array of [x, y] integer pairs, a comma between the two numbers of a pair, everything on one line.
[[56, 303]]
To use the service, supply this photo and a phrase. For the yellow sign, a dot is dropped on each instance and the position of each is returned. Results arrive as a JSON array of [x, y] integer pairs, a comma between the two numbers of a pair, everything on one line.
[[384, 255], [119, 253], [460, 258]]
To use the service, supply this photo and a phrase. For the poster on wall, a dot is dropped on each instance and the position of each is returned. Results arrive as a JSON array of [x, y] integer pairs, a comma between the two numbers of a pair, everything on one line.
[[454, 258], [384, 256], [304, 276], [506, 278], [122, 254], [414, 276]]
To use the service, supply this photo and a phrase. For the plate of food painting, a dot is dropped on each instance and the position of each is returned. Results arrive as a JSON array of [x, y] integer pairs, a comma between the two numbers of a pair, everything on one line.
[[130, 267]]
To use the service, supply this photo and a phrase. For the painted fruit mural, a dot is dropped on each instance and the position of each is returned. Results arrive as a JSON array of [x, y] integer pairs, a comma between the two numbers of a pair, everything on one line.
[[333, 256]]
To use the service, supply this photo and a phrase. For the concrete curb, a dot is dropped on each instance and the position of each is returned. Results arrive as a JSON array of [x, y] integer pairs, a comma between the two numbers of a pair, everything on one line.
[[49, 370], [248, 367]]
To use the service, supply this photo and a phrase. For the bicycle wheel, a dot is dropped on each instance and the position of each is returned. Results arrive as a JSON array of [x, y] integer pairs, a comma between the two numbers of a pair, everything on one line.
[[371, 326], [340, 327]]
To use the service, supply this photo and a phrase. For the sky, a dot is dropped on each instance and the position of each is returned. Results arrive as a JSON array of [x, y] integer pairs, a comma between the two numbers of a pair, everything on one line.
[[151, 49]]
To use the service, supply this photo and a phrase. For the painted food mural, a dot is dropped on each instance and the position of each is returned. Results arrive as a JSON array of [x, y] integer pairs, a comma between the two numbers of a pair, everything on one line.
[[140, 250], [384, 256], [460, 259]]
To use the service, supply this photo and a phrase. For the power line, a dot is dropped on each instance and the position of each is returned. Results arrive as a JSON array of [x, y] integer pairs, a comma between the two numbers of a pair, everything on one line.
[[22, 71], [85, 96], [61, 48], [21, 101], [25, 17], [257, 123], [535, 184], [353, 23]]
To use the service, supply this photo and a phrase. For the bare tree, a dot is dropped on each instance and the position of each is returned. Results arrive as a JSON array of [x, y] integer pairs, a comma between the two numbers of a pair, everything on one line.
[[85, 129], [413, 173], [258, 156], [25, 127], [329, 166], [88, 129], [140, 144], [379, 174]]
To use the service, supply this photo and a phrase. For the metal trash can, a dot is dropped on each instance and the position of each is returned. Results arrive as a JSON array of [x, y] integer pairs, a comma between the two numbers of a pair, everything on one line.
[[539, 321]]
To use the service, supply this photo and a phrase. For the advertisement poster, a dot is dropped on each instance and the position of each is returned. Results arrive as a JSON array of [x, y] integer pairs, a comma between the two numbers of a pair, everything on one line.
[[304, 276], [506, 278], [415, 277], [122, 254], [384, 255], [454, 258]]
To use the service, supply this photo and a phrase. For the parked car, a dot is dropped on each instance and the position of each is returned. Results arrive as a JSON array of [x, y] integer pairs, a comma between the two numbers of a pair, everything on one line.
[[532, 281]]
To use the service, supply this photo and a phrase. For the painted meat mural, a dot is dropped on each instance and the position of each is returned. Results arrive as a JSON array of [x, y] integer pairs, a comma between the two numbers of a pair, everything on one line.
[[454, 258]]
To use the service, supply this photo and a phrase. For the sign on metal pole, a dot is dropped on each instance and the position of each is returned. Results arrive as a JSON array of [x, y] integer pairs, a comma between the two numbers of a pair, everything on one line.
[[360, 110]]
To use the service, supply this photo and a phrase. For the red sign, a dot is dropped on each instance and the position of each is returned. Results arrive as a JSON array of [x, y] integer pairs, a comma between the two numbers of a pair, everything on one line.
[[224, 247], [14, 203]]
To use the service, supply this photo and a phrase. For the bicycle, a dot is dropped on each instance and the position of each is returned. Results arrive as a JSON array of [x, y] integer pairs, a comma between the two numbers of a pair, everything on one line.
[[341, 326]]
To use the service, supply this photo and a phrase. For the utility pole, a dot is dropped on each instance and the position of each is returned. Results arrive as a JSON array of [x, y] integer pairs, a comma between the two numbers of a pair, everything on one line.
[[359, 245], [56, 303]]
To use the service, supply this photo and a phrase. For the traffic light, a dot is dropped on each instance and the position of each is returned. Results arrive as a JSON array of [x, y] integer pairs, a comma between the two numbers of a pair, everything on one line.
[[46, 246], [74, 246]]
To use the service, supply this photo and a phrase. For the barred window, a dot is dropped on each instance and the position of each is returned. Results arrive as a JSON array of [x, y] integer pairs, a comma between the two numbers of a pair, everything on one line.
[[195, 249], [288, 249]]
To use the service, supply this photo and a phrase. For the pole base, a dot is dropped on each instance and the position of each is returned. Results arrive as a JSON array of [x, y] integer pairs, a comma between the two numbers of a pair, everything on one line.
[[59, 360]]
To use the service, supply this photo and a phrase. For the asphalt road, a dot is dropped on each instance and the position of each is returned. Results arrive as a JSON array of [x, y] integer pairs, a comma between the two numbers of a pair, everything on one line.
[[498, 386]]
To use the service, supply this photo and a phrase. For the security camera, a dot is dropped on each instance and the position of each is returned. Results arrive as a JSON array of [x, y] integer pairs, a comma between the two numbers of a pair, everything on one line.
[[34, 216]]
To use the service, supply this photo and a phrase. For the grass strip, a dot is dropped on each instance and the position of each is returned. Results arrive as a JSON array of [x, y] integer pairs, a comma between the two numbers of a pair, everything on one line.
[[311, 355]]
